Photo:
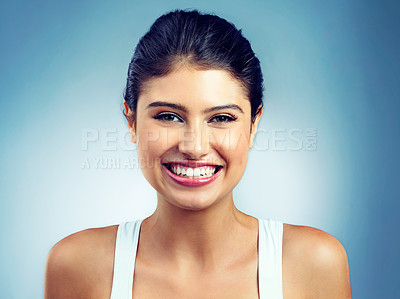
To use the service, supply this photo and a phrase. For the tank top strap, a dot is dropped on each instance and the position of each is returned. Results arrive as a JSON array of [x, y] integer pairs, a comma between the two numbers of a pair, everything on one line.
[[124, 259], [270, 235], [269, 259]]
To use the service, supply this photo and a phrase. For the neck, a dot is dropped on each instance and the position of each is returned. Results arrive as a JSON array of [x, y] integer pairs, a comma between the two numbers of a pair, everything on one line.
[[202, 237]]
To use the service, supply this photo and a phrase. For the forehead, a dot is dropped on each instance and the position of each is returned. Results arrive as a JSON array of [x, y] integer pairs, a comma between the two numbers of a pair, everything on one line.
[[195, 89]]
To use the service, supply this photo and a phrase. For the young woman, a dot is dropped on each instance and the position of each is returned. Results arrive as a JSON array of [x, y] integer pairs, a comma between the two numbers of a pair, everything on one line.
[[193, 102]]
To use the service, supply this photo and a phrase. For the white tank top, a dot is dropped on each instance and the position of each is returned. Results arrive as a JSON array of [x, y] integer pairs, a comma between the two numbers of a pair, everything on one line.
[[269, 259]]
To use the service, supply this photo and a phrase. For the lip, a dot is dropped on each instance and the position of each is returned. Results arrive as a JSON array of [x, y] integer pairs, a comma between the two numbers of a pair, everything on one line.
[[185, 181]]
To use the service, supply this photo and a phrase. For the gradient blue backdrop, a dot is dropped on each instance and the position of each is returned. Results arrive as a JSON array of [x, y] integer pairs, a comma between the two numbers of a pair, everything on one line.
[[329, 65]]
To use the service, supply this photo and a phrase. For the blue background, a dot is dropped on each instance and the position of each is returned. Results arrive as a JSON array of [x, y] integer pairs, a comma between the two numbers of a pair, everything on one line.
[[330, 65]]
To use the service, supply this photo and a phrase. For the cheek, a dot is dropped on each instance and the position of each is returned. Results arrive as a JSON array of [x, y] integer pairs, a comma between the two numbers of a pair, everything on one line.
[[153, 143], [148, 145], [233, 143]]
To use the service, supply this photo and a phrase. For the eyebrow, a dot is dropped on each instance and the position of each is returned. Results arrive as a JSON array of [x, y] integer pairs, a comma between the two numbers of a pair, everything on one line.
[[167, 104], [184, 109], [230, 106]]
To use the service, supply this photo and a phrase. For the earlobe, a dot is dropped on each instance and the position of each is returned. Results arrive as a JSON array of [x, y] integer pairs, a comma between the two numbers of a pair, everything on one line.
[[254, 127], [132, 134], [132, 131]]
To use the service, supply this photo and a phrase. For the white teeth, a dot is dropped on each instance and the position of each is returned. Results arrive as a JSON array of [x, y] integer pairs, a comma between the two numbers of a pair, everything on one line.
[[189, 172], [193, 173]]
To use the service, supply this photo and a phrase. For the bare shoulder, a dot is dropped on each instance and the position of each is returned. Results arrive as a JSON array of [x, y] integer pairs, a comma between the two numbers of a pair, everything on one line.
[[81, 265], [315, 263]]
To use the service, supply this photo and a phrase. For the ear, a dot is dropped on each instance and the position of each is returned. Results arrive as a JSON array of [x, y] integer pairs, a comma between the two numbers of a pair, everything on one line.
[[254, 126], [131, 126]]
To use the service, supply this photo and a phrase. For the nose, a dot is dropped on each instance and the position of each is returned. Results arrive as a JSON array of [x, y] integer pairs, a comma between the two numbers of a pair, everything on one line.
[[195, 142]]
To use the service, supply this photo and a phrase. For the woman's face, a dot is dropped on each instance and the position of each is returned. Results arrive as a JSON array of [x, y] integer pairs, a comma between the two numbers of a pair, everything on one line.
[[193, 133]]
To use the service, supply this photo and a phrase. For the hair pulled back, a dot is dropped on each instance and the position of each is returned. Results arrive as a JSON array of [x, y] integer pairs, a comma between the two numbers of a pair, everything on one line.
[[204, 41]]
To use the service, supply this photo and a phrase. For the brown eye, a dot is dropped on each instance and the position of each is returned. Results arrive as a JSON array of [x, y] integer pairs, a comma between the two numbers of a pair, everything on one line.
[[168, 117], [222, 118]]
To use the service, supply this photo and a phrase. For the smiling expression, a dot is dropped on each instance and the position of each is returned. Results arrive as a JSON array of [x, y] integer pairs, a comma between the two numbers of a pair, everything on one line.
[[193, 133]]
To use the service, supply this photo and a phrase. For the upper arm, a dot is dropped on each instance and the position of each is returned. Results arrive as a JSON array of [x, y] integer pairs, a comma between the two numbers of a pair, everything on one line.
[[317, 262], [81, 265], [329, 269], [62, 271]]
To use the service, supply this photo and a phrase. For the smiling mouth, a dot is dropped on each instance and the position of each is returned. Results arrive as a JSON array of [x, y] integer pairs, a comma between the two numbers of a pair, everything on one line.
[[192, 172]]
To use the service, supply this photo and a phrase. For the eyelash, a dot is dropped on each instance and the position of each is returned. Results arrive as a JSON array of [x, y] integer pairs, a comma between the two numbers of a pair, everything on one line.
[[228, 118], [163, 117]]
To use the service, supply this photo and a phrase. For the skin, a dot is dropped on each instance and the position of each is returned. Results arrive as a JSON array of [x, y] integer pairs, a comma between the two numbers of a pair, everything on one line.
[[183, 246]]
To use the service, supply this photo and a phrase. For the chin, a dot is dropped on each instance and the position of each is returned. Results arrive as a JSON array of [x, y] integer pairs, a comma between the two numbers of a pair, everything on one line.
[[192, 203]]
